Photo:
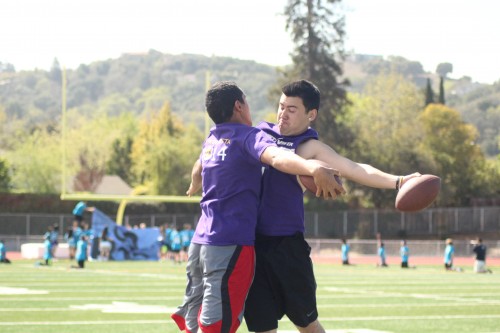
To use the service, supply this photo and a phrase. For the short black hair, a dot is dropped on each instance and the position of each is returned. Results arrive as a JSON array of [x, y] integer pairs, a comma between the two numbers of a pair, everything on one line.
[[306, 90], [220, 100]]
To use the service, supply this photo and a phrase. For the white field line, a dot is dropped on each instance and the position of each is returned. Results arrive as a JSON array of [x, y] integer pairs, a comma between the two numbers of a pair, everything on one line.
[[388, 318], [339, 319], [95, 322], [324, 306], [372, 293], [114, 284], [434, 287], [402, 305], [111, 273], [107, 298]]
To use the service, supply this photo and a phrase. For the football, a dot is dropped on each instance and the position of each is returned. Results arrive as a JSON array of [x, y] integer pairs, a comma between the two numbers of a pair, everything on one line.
[[418, 193], [307, 182]]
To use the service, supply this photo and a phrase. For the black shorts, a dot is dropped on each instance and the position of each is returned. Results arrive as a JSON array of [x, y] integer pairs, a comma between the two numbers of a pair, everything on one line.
[[284, 284]]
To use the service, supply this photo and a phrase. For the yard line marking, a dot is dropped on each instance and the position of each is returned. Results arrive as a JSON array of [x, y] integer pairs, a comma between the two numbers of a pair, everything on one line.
[[108, 272], [74, 308], [107, 298], [374, 293], [20, 291], [35, 309], [125, 307], [352, 330], [389, 305], [71, 323], [411, 317], [128, 322]]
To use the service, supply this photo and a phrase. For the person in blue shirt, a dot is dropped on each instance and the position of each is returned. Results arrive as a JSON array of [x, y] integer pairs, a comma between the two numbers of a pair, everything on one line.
[[3, 253], [449, 252], [168, 231], [186, 235], [81, 252], [345, 252], [76, 232], [80, 209], [404, 251], [54, 238], [381, 255], [68, 237], [175, 244], [47, 253], [47, 247]]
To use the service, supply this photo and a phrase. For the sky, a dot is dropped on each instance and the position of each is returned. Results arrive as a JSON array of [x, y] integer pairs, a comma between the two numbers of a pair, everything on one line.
[[35, 32]]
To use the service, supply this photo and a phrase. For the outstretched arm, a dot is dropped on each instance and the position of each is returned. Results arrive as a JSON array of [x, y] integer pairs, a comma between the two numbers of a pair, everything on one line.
[[360, 173], [288, 162]]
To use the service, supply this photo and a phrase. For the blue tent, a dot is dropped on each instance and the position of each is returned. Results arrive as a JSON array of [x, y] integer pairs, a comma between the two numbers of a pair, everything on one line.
[[127, 244]]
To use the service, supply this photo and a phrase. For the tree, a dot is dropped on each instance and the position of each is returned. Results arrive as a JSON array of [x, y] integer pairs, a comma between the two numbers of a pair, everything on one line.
[[35, 162], [89, 146], [429, 93], [384, 118], [318, 33], [120, 162], [458, 160], [55, 73], [441, 91], [163, 153], [444, 68], [4, 176]]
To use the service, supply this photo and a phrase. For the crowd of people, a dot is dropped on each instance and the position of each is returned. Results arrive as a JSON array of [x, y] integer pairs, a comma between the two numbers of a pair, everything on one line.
[[174, 242], [84, 244]]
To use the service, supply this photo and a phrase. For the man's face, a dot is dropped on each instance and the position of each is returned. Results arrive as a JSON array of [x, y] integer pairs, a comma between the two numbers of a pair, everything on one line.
[[292, 116]]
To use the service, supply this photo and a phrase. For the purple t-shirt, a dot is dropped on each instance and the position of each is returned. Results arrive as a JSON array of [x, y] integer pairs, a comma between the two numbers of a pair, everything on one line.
[[231, 171], [281, 211]]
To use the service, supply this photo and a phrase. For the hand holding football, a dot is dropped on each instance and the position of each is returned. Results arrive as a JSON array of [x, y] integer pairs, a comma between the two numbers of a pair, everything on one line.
[[307, 182], [418, 193]]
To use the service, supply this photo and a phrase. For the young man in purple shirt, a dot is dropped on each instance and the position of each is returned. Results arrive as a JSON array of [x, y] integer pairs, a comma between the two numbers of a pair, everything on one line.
[[284, 282], [221, 259]]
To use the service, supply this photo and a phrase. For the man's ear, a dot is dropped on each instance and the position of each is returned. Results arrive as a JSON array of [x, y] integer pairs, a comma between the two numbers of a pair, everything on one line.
[[238, 107], [312, 114]]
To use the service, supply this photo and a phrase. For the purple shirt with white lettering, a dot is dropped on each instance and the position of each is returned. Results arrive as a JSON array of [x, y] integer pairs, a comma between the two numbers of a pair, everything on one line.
[[231, 172], [281, 211]]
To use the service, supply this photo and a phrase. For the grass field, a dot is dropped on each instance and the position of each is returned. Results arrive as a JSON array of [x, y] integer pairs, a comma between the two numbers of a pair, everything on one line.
[[122, 297]]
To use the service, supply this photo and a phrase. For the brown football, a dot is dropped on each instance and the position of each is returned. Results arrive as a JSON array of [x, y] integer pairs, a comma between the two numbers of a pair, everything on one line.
[[418, 193]]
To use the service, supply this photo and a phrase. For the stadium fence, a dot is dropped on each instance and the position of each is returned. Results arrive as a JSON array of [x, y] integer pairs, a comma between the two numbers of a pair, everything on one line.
[[326, 226]]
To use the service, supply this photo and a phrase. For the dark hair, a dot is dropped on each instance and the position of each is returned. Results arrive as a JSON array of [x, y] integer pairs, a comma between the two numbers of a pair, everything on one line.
[[220, 100], [305, 90]]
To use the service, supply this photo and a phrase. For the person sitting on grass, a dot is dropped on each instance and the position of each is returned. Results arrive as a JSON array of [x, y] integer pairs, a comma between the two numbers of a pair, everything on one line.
[[480, 260]]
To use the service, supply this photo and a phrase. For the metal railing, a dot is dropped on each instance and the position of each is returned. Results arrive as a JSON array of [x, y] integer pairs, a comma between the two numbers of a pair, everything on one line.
[[434, 223]]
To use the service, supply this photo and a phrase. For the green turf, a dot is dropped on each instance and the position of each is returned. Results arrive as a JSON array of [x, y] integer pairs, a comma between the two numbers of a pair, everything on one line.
[[426, 299]]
